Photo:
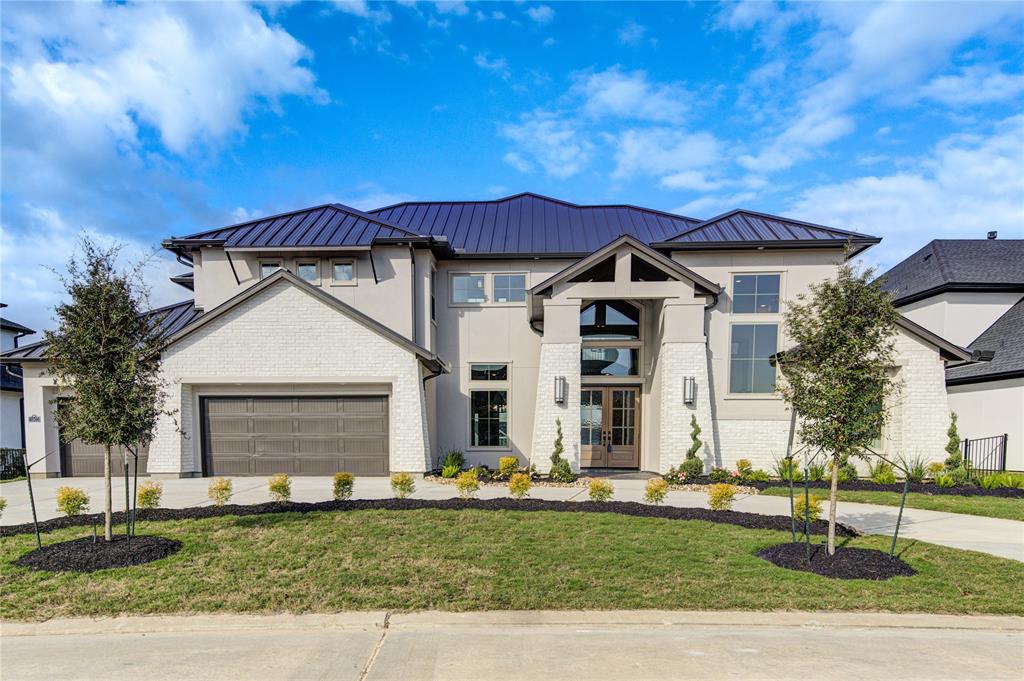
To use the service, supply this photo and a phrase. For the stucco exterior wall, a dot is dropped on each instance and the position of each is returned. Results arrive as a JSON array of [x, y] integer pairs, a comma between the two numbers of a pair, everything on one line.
[[993, 408], [960, 317]]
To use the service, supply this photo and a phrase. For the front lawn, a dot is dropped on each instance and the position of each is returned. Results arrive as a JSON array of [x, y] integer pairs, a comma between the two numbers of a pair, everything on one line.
[[475, 560], [992, 507]]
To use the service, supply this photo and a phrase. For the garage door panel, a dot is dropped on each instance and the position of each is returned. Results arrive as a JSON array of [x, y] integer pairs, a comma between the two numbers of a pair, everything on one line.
[[81, 460], [296, 435]]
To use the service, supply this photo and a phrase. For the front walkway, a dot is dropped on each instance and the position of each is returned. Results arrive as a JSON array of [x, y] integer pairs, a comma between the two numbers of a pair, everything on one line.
[[995, 536], [614, 645]]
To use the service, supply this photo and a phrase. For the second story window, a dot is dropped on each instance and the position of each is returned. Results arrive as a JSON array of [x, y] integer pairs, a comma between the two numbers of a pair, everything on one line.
[[755, 293], [509, 288], [468, 289], [750, 367], [308, 271], [268, 267], [343, 272]]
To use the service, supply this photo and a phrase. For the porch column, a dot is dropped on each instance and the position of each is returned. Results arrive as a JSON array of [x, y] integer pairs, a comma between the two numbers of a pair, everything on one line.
[[559, 356], [684, 353]]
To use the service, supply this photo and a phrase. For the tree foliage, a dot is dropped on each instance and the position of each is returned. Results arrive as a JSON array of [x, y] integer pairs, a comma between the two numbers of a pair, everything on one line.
[[839, 371]]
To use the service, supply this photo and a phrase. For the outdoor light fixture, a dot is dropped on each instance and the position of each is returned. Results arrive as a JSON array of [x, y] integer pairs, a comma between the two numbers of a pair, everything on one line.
[[560, 389], [689, 390]]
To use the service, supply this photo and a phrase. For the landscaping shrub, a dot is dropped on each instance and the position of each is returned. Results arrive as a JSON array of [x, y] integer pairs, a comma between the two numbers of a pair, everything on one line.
[[954, 459], [343, 484], [744, 467], [656, 491], [468, 484], [676, 475], [402, 485], [3, 505], [720, 496], [785, 468], [812, 508], [882, 473], [935, 467], [916, 469], [450, 471], [759, 475], [600, 489], [847, 472], [961, 475], [148, 494], [1014, 480], [991, 481], [693, 467], [519, 485], [507, 466], [816, 472], [72, 501], [453, 458], [280, 487], [561, 471], [219, 491], [945, 480], [719, 475]]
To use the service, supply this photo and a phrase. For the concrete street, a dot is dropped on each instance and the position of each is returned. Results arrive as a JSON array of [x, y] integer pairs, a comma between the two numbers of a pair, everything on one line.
[[627, 646], [995, 536]]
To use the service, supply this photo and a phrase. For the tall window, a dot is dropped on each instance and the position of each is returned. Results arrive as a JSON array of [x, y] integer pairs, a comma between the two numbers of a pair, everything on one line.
[[750, 370], [509, 288], [433, 294], [468, 289], [488, 405], [755, 293]]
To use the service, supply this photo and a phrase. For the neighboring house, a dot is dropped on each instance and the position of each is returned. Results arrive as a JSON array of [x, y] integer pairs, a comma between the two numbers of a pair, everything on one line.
[[971, 292], [331, 339], [11, 416]]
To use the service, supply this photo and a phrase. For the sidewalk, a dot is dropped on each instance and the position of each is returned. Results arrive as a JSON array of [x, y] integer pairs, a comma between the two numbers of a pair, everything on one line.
[[616, 645], [995, 536]]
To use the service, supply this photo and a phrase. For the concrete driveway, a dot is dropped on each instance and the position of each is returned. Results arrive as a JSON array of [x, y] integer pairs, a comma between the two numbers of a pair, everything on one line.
[[995, 536], [626, 646]]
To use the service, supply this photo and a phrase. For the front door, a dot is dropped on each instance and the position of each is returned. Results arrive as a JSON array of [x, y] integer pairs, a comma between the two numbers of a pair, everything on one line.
[[609, 427]]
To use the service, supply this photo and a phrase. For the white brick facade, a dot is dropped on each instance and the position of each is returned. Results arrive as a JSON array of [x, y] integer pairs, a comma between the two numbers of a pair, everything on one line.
[[285, 336], [557, 359], [677, 361], [919, 414], [761, 442]]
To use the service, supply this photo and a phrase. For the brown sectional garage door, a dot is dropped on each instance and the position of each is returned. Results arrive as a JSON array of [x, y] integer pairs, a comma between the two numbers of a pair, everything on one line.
[[80, 460], [296, 435]]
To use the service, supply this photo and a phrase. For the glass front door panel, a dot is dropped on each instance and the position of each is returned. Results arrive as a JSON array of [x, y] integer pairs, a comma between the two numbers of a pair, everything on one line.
[[623, 429], [591, 416]]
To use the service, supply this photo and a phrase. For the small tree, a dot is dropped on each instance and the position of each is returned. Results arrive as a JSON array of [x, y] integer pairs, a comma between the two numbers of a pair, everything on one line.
[[838, 372], [105, 354], [695, 443], [954, 458]]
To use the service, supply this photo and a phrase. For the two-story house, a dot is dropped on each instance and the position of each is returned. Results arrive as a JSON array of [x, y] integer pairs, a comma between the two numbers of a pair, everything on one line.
[[11, 417], [330, 339], [971, 292]]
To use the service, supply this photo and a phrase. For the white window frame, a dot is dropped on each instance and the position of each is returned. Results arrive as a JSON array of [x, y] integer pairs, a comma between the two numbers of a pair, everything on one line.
[[451, 288], [344, 261], [263, 262], [489, 386], [315, 262], [509, 303]]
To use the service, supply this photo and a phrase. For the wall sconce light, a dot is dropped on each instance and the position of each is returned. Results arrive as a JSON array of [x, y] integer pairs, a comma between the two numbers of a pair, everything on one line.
[[689, 390], [560, 389]]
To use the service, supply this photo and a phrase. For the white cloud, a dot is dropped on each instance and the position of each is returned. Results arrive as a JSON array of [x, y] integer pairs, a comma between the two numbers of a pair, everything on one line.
[[377, 13], [554, 143], [632, 33], [459, 9], [542, 14], [663, 151], [498, 65], [710, 206], [694, 180], [975, 85], [968, 185], [615, 92], [548, 42]]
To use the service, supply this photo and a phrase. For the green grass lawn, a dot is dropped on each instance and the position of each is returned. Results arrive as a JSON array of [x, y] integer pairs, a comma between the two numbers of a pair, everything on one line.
[[474, 560], [992, 507], [18, 479]]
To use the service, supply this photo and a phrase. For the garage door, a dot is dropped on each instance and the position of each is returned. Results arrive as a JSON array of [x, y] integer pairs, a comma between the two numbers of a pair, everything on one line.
[[297, 435], [81, 460]]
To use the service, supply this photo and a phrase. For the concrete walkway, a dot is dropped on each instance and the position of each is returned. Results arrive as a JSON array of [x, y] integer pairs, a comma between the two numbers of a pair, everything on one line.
[[995, 536], [626, 646]]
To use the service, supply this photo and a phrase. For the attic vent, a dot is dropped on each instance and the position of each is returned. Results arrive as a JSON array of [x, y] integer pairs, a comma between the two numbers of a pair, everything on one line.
[[993, 235]]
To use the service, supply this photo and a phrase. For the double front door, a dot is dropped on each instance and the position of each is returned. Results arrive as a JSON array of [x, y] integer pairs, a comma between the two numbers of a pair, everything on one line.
[[609, 427]]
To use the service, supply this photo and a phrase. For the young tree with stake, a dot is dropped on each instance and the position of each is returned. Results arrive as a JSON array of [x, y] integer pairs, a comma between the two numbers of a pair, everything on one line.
[[839, 370], [105, 355]]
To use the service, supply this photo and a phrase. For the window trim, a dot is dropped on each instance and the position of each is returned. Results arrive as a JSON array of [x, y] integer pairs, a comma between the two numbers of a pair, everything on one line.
[[432, 286], [315, 262], [771, 395], [279, 262], [344, 261], [488, 386], [468, 273], [493, 298], [487, 381], [759, 315]]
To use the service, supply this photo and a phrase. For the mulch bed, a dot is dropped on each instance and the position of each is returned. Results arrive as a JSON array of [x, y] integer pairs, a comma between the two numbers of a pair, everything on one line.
[[847, 563], [87, 555], [752, 521], [918, 487]]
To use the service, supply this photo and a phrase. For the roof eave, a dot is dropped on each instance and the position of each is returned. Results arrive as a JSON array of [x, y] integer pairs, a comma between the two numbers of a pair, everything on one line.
[[773, 244], [985, 378], [959, 288]]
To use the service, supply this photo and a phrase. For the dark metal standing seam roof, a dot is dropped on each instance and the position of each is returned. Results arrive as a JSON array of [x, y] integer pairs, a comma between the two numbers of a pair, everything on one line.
[[8, 325], [327, 225], [746, 225], [530, 223], [952, 264], [173, 318]]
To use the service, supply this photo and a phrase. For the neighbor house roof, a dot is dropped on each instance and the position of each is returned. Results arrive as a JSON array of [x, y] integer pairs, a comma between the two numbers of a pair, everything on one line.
[[172, 319], [8, 325], [10, 378], [957, 265], [1005, 338]]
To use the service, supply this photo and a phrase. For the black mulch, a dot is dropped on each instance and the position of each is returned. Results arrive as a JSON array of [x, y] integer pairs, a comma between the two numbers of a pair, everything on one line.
[[918, 487], [847, 563], [87, 555], [749, 520]]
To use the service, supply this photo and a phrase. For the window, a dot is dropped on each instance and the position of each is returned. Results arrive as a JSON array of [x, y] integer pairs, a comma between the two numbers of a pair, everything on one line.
[[488, 372], [268, 267], [468, 289], [433, 294], [343, 273], [611, 320], [488, 418], [308, 271], [755, 293], [509, 288], [749, 368], [609, 361]]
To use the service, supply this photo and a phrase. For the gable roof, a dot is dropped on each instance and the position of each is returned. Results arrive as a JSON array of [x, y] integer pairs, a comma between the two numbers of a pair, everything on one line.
[[8, 325], [432, 360], [957, 265], [530, 223], [746, 228], [947, 350], [1005, 338]]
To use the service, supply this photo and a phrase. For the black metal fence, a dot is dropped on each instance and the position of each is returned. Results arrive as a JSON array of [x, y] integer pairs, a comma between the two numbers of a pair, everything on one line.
[[985, 455], [12, 463]]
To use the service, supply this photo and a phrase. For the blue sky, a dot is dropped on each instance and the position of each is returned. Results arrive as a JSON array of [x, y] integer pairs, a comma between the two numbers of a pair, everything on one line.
[[136, 122]]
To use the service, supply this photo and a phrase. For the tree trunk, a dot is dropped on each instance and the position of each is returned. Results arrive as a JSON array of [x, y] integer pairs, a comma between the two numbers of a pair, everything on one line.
[[108, 526], [833, 497]]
